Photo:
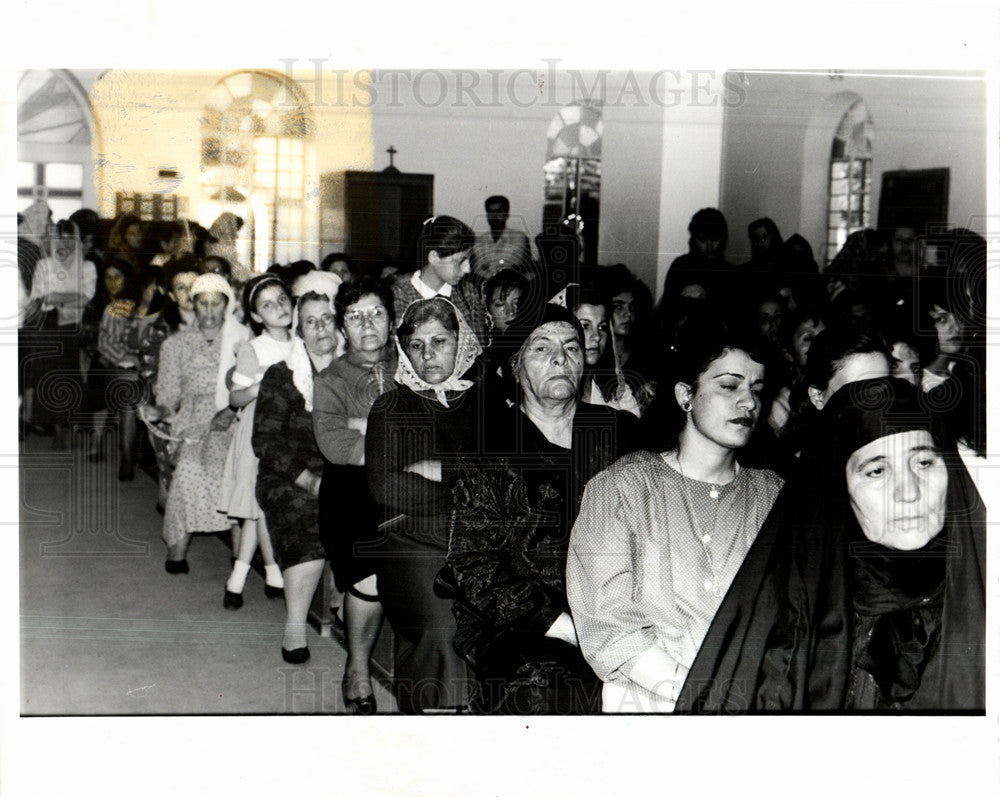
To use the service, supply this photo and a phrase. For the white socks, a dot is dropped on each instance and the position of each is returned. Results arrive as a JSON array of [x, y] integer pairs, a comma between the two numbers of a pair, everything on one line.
[[238, 578], [272, 576]]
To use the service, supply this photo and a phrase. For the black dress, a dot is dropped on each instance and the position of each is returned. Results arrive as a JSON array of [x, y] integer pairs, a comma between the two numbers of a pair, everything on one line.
[[404, 428], [820, 619], [516, 503]]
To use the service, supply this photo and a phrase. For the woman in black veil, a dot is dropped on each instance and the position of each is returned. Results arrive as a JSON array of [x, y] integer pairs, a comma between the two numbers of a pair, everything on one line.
[[835, 609]]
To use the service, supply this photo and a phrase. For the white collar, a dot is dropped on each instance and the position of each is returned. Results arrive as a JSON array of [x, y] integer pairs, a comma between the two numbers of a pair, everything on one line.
[[425, 291]]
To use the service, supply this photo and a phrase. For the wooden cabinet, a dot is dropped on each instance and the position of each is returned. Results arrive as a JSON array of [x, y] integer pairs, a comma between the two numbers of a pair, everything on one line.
[[375, 217]]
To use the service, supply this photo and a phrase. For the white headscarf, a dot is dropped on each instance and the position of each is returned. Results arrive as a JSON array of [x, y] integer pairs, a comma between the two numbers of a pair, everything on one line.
[[298, 360], [468, 350], [233, 332]]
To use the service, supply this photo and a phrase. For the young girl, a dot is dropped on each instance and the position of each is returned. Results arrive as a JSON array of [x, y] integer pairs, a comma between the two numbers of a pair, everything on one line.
[[268, 306], [445, 248]]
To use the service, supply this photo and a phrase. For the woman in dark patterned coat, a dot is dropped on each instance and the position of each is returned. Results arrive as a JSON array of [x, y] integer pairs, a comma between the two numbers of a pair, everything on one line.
[[291, 466], [514, 508]]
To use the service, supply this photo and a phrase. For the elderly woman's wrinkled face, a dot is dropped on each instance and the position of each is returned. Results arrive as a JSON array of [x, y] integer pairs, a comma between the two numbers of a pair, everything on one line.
[[593, 319], [552, 362], [432, 348], [366, 324], [316, 327], [210, 309], [898, 487]]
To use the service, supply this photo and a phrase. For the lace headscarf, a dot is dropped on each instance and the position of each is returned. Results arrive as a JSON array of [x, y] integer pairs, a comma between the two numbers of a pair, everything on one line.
[[468, 350], [233, 332]]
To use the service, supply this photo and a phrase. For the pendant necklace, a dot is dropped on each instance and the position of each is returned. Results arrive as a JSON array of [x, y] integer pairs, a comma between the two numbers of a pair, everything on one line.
[[711, 585]]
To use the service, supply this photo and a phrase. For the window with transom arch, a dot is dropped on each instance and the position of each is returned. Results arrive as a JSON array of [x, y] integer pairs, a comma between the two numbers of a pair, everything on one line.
[[850, 184], [54, 131], [573, 174], [255, 135]]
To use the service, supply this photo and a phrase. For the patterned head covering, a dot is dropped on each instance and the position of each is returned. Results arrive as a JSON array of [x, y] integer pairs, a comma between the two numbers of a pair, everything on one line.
[[468, 350]]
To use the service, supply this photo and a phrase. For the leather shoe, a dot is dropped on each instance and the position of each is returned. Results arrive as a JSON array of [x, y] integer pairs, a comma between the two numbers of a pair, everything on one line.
[[233, 600], [361, 706], [174, 567], [297, 656], [273, 592]]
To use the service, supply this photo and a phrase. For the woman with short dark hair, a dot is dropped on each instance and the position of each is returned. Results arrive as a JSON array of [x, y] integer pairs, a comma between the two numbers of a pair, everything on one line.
[[660, 536], [343, 396], [445, 251]]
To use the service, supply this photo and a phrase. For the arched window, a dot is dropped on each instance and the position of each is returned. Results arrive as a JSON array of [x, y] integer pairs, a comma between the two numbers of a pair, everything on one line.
[[254, 137], [53, 136], [850, 190], [573, 173]]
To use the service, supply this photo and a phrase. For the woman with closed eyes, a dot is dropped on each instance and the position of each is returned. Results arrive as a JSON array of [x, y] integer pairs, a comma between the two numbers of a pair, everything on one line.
[[660, 536]]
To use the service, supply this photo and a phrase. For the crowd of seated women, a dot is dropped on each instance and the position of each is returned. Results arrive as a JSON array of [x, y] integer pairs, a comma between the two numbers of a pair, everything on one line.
[[756, 495]]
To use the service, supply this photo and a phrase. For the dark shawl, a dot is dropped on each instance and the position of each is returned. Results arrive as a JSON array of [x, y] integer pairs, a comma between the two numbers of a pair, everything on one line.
[[815, 604]]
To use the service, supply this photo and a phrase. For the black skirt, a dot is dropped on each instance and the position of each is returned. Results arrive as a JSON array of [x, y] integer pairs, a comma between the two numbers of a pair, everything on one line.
[[348, 523]]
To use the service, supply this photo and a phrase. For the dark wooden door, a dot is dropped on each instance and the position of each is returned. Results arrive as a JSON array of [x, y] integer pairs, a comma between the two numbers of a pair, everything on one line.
[[384, 214]]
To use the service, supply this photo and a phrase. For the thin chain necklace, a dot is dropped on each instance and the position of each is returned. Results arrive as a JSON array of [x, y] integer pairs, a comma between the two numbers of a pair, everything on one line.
[[712, 585]]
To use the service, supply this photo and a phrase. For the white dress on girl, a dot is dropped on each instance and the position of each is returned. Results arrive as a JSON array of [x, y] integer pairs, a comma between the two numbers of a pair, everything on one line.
[[237, 497]]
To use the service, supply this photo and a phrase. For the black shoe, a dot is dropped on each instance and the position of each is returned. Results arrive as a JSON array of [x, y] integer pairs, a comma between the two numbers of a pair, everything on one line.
[[174, 567], [361, 706], [233, 600], [297, 656], [126, 473], [273, 592]]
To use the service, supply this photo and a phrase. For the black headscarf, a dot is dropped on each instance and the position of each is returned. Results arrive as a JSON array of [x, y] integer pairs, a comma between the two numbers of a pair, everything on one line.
[[506, 347], [816, 606]]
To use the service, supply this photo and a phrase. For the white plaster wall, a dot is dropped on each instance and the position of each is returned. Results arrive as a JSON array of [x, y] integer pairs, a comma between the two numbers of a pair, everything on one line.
[[777, 145]]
